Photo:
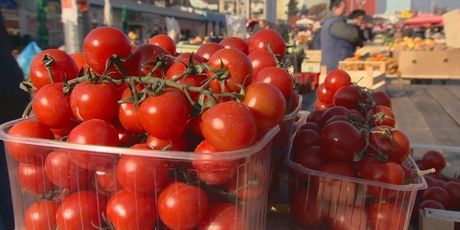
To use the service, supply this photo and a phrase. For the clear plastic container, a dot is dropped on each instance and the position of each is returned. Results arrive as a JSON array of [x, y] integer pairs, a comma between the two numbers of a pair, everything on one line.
[[238, 192], [320, 200]]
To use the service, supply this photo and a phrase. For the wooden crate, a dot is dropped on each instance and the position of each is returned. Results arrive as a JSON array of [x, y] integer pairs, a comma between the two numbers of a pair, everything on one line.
[[362, 65], [372, 77]]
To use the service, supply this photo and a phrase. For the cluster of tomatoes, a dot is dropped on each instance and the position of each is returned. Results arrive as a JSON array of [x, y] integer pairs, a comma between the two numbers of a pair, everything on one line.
[[351, 134], [224, 97]]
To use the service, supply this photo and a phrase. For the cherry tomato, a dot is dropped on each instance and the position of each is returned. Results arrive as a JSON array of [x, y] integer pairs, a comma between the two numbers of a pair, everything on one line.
[[185, 58], [266, 103], [389, 172], [320, 106], [213, 172], [348, 96], [305, 138], [177, 70], [62, 132], [52, 106], [93, 132], [63, 172], [311, 126], [337, 79], [294, 105], [148, 59], [128, 115], [438, 194], [102, 43], [261, 59], [229, 126], [278, 77], [79, 61], [41, 216], [324, 95], [310, 157], [434, 159], [29, 153], [453, 188], [81, 210], [348, 217], [131, 211], [267, 39], [235, 43], [332, 112], [382, 115], [86, 100], [237, 65], [178, 144], [315, 116], [182, 206], [431, 204], [387, 216], [32, 179], [382, 98], [390, 142], [223, 216], [341, 141], [208, 49], [165, 116], [165, 42], [63, 67], [336, 190], [106, 180], [143, 175], [307, 210]]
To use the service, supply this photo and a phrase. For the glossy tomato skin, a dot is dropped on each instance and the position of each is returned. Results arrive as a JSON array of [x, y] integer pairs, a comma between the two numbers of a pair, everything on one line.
[[278, 77], [324, 95], [79, 61], [389, 172], [332, 112], [178, 68], [81, 211], [64, 173], [208, 49], [261, 59], [265, 38], [434, 159], [223, 216], [165, 116], [439, 194], [266, 103], [32, 179], [93, 132], [341, 141], [178, 144], [143, 60], [311, 126], [337, 79], [305, 138], [315, 116], [131, 211], [142, 175], [235, 43], [453, 188], [182, 206], [165, 42], [185, 58], [100, 44], [382, 115], [128, 115], [106, 181], [395, 147], [382, 98], [348, 96], [41, 216], [64, 67], [238, 66], [310, 157], [52, 106], [321, 106], [229, 126], [86, 99], [213, 172], [386, 216], [29, 153]]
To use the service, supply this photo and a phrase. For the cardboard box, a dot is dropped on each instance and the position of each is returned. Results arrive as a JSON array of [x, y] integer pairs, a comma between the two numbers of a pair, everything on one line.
[[438, 219], [451, 27], [436, 64]]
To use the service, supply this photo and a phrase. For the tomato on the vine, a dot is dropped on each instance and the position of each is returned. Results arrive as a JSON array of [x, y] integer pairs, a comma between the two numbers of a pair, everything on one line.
[[235, 43], [390, 172], [33, 179], [324, 95], [62, 67], [206, 50], [310, 157], [341, 141], [434, 159], [165, 42], [177, 71], [382, 98], [128, 115], [267, 39], [390, 142], [148, 59], [278, 77], [79, 61], [41, 215], [348, 96], [63, 172], [337, 79], [382, 115], [261, 59]]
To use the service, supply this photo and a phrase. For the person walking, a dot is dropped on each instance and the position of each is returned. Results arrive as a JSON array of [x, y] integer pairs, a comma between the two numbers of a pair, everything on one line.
[[338, 39]]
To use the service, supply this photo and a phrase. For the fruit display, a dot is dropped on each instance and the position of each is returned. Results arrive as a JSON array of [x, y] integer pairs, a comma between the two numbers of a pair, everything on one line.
[[350, 166], [358, 62], [409, 43], [144, 138]]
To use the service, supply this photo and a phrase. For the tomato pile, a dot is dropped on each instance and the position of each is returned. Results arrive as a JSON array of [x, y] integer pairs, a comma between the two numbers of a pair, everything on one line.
[[224, 97], [351, 134]]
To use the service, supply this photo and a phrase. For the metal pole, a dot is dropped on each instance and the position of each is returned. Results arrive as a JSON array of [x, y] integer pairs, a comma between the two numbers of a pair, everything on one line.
[[248, 9]]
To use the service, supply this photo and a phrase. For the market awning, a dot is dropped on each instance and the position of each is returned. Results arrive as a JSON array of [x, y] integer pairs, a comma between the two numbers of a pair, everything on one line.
[[424, 19], [304, 21]]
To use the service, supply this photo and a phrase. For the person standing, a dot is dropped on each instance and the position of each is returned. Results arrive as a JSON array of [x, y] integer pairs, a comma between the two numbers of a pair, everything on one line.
[[338, 39]]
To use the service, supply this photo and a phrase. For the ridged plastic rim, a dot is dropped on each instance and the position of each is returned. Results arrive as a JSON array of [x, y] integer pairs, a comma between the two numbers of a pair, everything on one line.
[[297, 109], [177, 155]]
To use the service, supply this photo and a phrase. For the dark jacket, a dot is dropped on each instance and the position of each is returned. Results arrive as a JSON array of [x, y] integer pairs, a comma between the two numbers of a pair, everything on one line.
[[338, 40]]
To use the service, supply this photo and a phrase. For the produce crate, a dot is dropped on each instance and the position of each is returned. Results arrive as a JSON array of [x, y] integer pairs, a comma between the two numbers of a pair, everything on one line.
[[242, 201], [312, 61], [319, 200], [373, 77]]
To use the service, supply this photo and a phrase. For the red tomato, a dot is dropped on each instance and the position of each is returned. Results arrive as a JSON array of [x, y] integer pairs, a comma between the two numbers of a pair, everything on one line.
[[250, 181], [128, 115], [278, 77], [431, 204], [165, 42], [341, 141], [315, 116], [332, 112], [182, 206], [131, 211], [86, 100], [348, 96], [390, 172], [185, 58], [382, 115], [266, 103], [434, 159], [62, 132], [178, 144], [309, 125], [147, 57], [307, 209], [32, 179], [79, 61], [337, 191], [207, 50], [41, 216], [305, 138], [266, 39], [229, 126], [387, 216], [337, 79], [453, 188], [294, 105], [320, 106], [63, 172], [324, 95], [177, 69], [165, 116], [223, 216], [93, 132], [29, 153], [235, 43], [52, 106], [310, 157], [143, 175], [106, 180], [213, 172], [101, 44], [261, 59], [438, 194], [81, 210], [382, 98], [390, 142], [348, 217], [63, 67], [237, 65]]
